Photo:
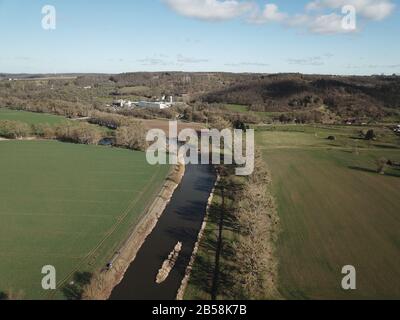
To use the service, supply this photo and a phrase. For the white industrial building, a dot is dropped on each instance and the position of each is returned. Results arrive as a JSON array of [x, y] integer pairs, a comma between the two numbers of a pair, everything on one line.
[[163, 104], [156, 104], [123, 103]]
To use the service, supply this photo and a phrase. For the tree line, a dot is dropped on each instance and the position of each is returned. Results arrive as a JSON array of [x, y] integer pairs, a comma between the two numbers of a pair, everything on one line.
[[130, 134], [77, 132], [245, 265], [254, 248]]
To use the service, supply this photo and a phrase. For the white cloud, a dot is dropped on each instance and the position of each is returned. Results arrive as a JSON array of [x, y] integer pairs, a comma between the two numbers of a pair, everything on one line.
[[163, 60], [320, 16], [252, 64], [369, 9], [189, 60], [210, 9], [271, 13], [310, 61], [298, 20], [321, 23], [327, 24]]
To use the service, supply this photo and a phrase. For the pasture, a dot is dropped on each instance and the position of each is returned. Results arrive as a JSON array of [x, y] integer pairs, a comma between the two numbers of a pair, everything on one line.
[[30, 117], [69, 206], [335, 210], [237, 108]]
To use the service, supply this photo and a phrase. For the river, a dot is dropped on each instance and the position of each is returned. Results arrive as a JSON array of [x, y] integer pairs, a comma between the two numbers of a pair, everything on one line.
[[180, 222]]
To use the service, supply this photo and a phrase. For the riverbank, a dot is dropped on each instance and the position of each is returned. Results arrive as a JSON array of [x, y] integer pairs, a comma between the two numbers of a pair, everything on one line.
[[181, 222], [20, 139], [105, 281], [236, 256]]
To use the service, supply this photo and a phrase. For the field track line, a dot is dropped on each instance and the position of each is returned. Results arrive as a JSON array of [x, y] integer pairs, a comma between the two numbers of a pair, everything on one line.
[[108, 234], [55, 215], [11, 254]]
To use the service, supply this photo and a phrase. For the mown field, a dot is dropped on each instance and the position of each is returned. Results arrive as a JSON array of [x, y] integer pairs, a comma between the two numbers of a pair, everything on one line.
[[69, 206], [30, 117], [238, 108], [335, 210]]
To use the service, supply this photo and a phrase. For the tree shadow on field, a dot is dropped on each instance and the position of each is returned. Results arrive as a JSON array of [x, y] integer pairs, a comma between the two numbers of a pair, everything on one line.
[[75, 289], [386, 146], [203, 276], [222, 215], [213, 272], [387, 174], [230, 221]]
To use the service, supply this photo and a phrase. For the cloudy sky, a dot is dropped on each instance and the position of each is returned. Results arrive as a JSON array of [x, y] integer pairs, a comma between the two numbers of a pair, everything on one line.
[[309, 36]]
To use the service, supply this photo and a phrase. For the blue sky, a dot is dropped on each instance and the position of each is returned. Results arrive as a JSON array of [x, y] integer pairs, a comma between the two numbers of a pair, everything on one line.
[[200, 35]]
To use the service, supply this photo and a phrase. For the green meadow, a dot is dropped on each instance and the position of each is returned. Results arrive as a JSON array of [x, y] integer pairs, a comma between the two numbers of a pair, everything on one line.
[[69, 206], [335, 210], [30, 117]]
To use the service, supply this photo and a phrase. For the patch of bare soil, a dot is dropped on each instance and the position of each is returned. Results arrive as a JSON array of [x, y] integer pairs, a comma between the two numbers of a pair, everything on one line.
[[20, 139]]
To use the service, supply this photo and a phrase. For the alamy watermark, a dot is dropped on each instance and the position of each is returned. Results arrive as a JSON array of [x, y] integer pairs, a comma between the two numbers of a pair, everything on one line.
[[204, 147], [49, 19], [349, 20], [49, 280], [349, 282]]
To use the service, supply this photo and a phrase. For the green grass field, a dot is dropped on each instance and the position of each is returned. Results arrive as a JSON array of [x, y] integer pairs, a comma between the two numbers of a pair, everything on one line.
[[237, 108], [245, 109], [30, 117], [200, 286], [69, 206], [335, 210]]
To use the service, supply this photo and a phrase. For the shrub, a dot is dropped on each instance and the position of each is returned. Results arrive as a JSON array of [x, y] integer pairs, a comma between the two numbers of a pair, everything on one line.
[[370, 135], [43, 131], [381, 165], [132, 137], [79, 133], [14, 129]]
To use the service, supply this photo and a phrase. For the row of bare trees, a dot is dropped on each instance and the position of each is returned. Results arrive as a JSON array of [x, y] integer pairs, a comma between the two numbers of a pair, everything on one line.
[[129, 132], [77, 132], [82, 133], [14, 129], [132, 136], [47, 105], [257, 224]]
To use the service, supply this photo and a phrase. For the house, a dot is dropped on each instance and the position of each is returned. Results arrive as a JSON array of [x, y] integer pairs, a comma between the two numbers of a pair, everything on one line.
[[118, 103], [350, 121]]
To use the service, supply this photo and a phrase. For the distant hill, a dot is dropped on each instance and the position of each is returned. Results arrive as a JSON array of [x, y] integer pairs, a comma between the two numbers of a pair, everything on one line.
[[355, 96], [343, 95]]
